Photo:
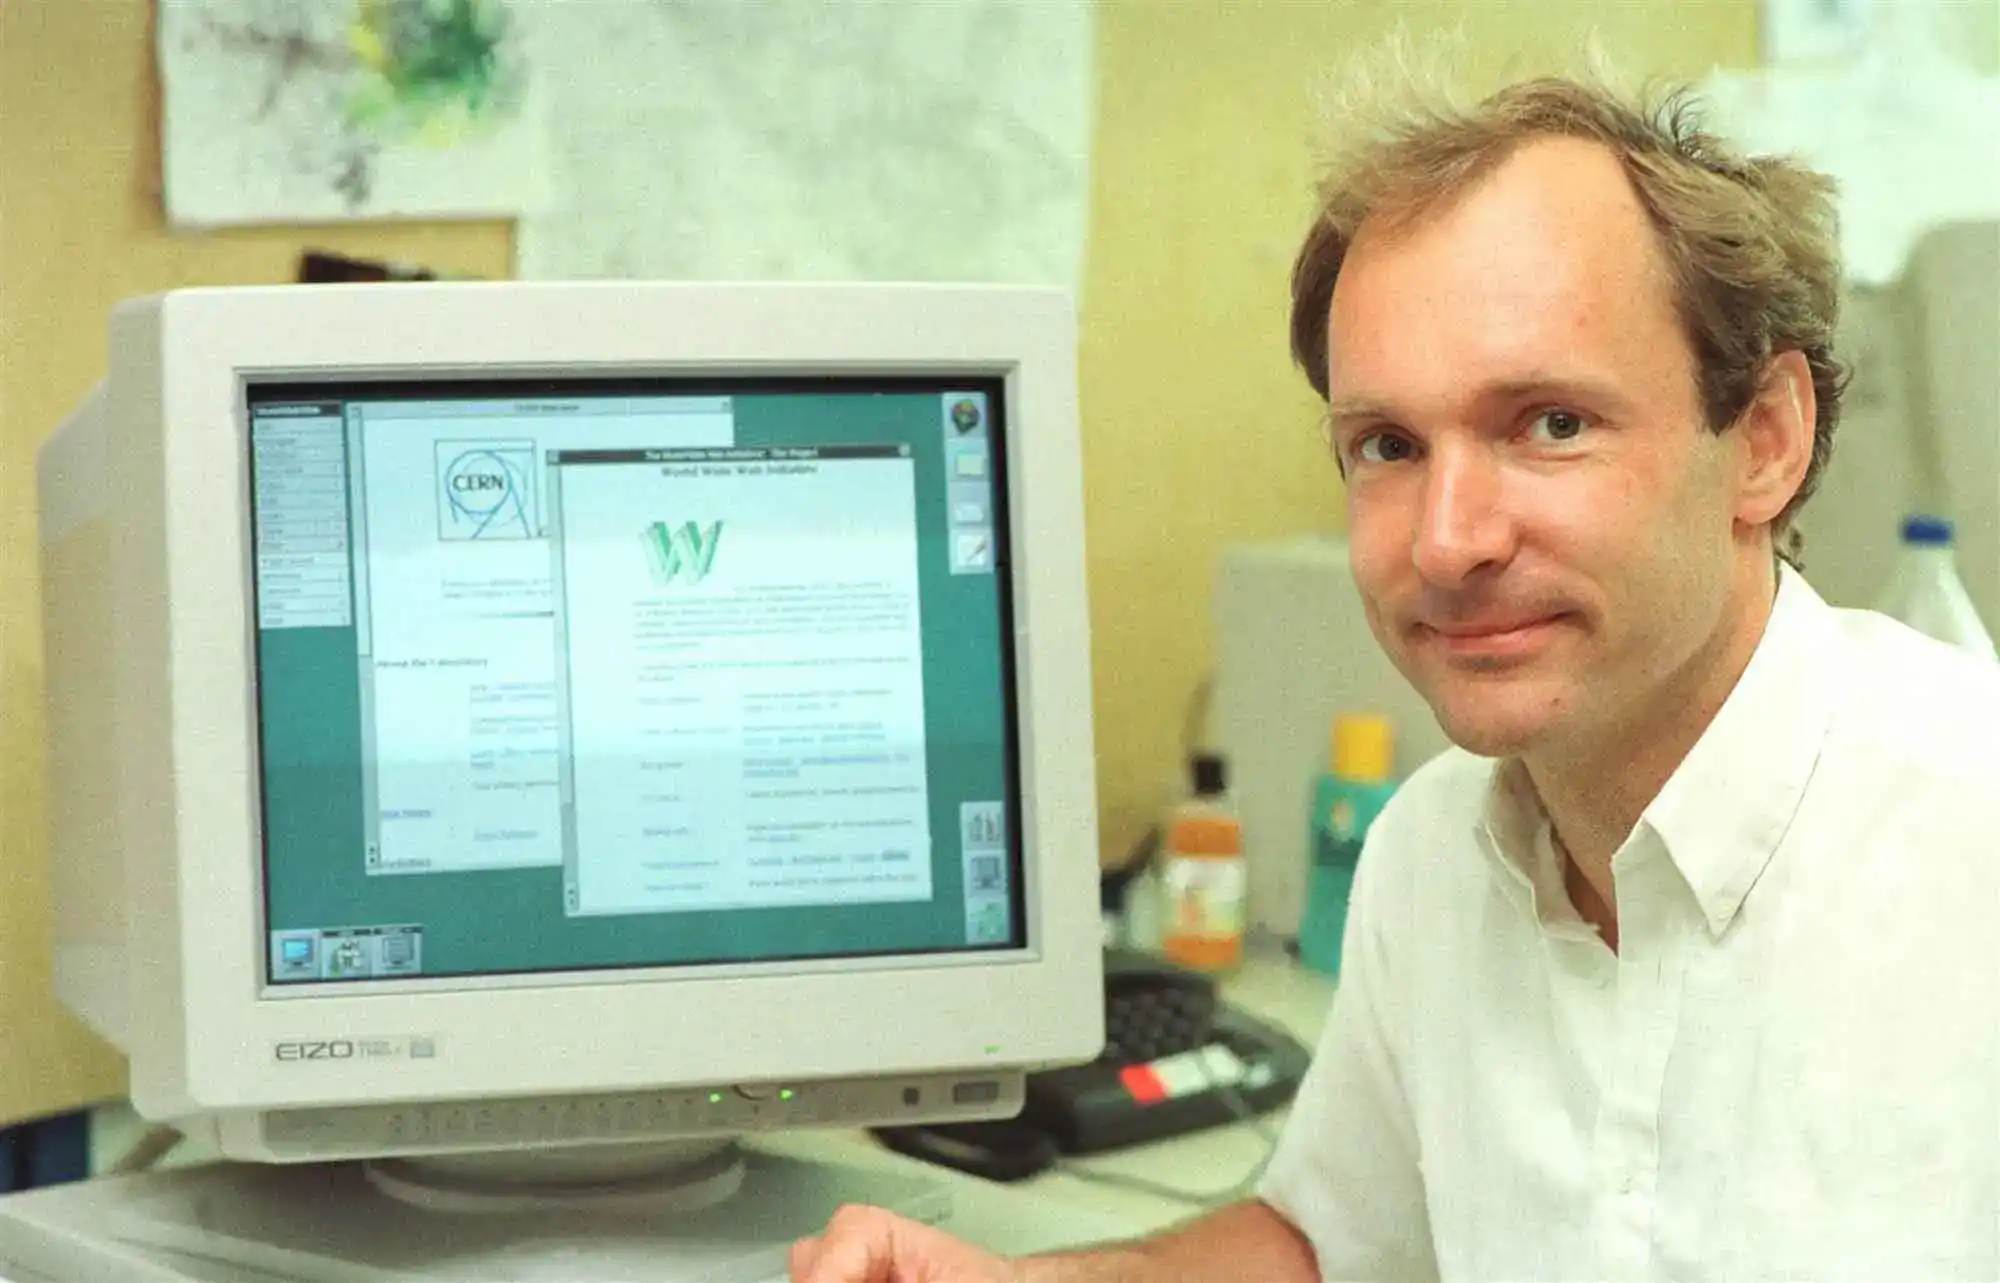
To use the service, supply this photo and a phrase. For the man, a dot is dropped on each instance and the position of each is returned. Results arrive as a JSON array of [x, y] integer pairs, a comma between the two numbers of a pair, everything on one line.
[[1683, 964]]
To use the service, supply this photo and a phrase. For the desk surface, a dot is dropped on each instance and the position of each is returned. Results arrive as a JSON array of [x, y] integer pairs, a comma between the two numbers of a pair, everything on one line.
[[1061, 1209], [1064, 1208]]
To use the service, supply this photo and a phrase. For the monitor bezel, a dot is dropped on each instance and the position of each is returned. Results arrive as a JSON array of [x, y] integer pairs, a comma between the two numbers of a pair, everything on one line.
[[216, 1043]]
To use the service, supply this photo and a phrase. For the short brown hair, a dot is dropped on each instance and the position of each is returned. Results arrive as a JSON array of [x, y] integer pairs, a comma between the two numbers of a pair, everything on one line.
[[1751, 243]]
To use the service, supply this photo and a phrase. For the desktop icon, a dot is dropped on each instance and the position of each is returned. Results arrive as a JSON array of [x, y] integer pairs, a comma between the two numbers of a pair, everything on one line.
[[986, 922], [397, 954], [296, 957], [349, 957], [972, 550], [983, 824]]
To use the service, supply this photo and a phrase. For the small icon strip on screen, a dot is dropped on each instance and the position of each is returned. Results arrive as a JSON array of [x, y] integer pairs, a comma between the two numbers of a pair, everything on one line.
[[346, 953], [983, 846], [968, 444]]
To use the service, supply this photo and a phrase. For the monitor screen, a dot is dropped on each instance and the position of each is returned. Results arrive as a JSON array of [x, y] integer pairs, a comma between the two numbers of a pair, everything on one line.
[[561, 675]]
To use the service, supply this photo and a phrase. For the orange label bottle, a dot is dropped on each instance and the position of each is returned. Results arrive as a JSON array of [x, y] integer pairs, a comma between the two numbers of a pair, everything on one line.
[[1204, 883]]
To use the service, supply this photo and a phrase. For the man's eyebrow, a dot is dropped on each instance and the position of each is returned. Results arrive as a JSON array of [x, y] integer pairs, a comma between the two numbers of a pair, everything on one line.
[[1355, 409], [1554, 386], [1360, 408]]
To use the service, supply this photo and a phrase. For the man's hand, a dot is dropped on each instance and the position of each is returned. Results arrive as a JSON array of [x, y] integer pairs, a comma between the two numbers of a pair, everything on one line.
[[1242, 1241], [869, 1245]]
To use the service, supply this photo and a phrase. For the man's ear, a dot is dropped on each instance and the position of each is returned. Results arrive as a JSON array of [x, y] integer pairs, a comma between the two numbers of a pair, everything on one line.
[[1777, 439]]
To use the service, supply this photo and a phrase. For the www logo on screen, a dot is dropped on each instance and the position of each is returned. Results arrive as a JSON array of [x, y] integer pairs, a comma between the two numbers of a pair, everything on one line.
[[682, 554]]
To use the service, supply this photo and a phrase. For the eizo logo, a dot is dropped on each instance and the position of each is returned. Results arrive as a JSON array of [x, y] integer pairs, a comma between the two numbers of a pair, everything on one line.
[[683, 553], [332, 1049]]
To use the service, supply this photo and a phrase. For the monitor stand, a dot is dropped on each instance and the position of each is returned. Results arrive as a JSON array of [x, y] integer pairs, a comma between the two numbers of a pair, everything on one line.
[[670, 1178], [347, 1222]]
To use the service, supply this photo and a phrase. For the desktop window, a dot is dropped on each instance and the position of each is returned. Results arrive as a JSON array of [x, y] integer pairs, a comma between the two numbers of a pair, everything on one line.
[[559, 676]]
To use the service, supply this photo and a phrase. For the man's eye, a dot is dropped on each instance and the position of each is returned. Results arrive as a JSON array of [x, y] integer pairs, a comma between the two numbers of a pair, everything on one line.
[[1559, 425], [1383, 447]]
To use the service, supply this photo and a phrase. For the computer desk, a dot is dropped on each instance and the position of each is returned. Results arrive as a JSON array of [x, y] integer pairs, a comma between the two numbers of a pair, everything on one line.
[[1057, 1210], [1063, 1208]]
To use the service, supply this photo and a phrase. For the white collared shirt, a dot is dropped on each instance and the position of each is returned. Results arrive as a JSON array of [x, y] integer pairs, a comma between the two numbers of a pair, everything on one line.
[[1789, 1070]]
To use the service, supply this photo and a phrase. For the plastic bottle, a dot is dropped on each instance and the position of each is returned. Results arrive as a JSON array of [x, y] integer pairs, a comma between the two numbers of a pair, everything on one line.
[[1926, 593], [1203, 879], [1346, 801]]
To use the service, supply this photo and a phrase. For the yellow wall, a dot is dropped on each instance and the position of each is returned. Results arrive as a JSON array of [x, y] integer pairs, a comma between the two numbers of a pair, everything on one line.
[[81, 228], [1197, 432]]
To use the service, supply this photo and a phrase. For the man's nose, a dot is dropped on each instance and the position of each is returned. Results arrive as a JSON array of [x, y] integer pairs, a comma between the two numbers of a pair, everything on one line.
[[1462, 528]]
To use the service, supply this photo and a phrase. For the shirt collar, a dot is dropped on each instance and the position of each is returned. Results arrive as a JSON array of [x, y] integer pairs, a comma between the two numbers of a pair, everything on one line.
[[1725, 809], [1724, 812]]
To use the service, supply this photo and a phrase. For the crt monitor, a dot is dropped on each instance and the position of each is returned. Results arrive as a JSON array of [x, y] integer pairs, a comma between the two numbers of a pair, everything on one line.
[[534, 719]]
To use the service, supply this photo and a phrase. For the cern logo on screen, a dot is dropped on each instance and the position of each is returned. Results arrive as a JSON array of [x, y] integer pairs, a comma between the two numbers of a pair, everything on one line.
[[486, 490]]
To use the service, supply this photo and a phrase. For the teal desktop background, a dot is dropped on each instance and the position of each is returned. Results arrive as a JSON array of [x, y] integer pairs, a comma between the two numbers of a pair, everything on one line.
[[507, 921]]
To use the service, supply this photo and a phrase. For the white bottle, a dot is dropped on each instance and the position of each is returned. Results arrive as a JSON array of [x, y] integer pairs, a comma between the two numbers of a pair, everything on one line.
[[1926, 592]]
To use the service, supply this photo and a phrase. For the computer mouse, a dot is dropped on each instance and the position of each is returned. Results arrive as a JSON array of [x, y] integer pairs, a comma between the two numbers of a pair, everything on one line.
[[1003, 1149]]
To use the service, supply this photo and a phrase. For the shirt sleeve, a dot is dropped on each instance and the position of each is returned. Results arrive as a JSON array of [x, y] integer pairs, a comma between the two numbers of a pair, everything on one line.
[[1347, 1169]]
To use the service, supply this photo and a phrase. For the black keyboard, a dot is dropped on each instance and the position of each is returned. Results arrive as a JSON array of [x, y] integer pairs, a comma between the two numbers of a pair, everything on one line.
[[1176, 1060], [1152, 1023]]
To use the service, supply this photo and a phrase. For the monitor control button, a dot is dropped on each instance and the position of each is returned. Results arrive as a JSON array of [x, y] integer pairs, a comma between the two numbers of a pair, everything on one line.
[[982, 1092], [757, 1091]]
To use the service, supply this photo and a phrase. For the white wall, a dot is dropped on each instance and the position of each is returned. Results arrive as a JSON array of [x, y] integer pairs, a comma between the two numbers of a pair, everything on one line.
[[1921, 429]]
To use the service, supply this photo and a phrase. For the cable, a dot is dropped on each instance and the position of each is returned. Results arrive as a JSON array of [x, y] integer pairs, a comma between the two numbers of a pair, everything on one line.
[[146, 1152], [1195, 715]]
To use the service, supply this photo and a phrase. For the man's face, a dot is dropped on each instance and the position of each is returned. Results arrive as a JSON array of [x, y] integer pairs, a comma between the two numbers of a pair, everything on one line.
[[1541, 526]]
